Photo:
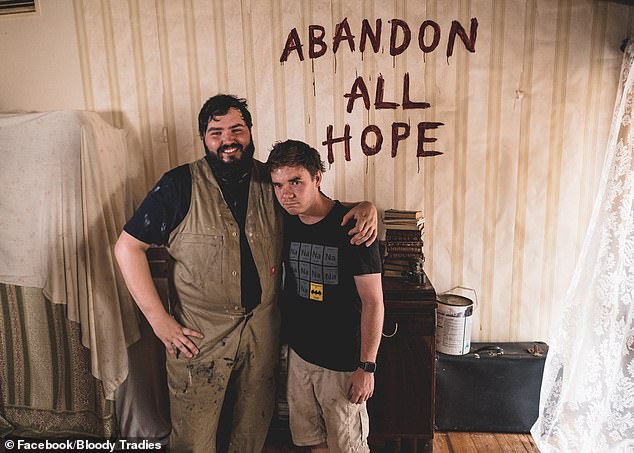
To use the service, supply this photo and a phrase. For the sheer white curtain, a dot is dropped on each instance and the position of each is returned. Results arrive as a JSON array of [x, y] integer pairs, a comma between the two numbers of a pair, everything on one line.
[[587, 396]]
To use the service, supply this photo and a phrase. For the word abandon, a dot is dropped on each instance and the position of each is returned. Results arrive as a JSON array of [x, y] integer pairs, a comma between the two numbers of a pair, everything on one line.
[[371, 139], [400, 38]]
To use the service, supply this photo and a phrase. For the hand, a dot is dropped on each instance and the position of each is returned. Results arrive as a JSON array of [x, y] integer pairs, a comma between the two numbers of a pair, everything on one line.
[[360, 386], [175, 337], [365, 230]]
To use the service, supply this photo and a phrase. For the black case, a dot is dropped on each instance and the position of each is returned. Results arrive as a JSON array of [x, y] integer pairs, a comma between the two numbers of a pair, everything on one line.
[[494, 388]]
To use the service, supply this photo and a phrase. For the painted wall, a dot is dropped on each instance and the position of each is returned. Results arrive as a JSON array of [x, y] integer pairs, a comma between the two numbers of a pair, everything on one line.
[[525, 116], [40, 65]]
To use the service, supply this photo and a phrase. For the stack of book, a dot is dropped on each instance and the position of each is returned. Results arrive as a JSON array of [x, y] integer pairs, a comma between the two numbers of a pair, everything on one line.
[[403, 241]]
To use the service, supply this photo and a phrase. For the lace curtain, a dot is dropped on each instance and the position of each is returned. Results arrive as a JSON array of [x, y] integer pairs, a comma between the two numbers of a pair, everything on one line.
[[587, 396]]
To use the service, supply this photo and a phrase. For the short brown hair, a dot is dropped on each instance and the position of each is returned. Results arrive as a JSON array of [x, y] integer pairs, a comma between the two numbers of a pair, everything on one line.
[[293, 153]]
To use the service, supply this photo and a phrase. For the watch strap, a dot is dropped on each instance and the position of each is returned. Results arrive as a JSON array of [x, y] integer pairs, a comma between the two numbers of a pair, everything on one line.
[[369, 367]]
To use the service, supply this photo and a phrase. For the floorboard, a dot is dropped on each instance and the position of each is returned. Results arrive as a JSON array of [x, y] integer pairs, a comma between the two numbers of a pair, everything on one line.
[[454, 442], [484, 443]]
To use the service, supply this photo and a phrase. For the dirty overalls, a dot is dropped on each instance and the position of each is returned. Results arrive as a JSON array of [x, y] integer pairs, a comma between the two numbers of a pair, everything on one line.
[[237, 345]]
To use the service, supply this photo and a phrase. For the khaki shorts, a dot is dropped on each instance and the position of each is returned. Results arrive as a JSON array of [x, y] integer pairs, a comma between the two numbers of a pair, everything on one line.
[[319, 410]]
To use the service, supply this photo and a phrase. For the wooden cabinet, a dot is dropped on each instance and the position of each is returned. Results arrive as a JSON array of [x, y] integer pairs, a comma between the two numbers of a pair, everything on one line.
[[402, 408]]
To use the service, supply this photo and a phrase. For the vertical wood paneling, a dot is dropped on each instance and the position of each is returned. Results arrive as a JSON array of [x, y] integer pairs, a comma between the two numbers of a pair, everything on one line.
[[293, 76], [234, 40], [324, 101], [400, 162], [100, 89], [518, 152], [310, 125], [84, 55], [460, 153], [111, 58], [597, 43], [384, 64], [222, 74], [508, 162], [182, 79], [414, 170], [279, 99], [249, 60], [192, 65], [368, 66], [492, 161], [526, 94], [553, 182], [429, 165], [207, 57], [339, 169], [354, 170], [169, 130], [143, 107]]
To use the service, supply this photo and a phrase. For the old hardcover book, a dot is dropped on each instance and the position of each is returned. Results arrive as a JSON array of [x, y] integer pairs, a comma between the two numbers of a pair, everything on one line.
[[402, 214]]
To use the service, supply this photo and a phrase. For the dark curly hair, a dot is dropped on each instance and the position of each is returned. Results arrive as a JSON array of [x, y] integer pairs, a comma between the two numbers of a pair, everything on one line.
[[220, 105]]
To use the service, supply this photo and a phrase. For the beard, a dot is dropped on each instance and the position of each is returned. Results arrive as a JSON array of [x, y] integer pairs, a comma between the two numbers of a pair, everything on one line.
[[237, 168]]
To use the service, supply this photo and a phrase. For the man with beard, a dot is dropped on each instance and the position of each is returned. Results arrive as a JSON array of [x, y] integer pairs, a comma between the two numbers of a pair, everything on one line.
[[219, 221]]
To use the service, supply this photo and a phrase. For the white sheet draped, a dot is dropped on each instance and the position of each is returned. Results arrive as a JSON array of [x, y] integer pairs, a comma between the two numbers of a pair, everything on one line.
[[62, 206]]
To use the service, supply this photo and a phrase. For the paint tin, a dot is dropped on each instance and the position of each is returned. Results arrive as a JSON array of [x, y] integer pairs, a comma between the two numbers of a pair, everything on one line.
[[453, 324]]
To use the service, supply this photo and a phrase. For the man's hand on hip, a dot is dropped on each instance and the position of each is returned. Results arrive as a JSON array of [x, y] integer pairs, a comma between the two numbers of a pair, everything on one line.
[[175, 337]]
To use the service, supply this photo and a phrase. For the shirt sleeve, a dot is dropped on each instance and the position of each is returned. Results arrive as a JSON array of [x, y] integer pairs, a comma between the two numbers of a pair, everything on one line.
[[362, 259], [366, 260], [163, 209]]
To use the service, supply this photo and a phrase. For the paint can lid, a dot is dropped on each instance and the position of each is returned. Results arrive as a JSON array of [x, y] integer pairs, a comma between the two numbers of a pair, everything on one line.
[[454, 299]]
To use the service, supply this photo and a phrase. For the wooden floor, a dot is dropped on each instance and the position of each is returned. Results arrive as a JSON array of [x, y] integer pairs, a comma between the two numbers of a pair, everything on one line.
[[452, 443], [483, 443]]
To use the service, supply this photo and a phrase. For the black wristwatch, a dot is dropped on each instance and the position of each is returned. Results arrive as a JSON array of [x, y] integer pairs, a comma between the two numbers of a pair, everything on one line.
[[368, 367]]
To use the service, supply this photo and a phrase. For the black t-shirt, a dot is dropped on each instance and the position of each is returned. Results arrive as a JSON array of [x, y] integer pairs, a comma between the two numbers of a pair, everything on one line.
[[321, 305], [167, 204]]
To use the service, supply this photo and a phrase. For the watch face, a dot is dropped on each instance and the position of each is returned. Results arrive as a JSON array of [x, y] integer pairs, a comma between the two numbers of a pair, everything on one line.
[[368, 366]]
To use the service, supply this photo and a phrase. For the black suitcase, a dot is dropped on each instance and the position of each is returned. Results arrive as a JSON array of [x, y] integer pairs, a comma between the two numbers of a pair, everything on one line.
[[494, 388]]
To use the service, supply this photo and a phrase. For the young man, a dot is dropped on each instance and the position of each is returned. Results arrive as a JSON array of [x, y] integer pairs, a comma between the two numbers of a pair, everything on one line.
[[332, 308], [219, 220]]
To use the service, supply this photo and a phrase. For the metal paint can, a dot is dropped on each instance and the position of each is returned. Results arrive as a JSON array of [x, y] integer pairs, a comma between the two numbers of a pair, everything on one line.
[[453, 324]]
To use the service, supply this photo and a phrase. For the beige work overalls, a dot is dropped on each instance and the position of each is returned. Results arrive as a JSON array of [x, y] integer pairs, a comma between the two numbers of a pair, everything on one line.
[[243, 347]]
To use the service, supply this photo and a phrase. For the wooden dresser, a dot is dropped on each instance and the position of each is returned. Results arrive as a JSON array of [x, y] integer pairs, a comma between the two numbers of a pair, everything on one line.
[[402, 408]]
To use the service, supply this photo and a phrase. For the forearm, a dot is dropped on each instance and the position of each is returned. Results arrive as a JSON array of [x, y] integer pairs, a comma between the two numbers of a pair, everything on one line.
[[371, 327], [372, 313]]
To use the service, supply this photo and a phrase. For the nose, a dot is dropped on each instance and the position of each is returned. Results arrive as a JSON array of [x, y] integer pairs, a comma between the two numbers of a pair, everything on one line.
[[287, 193], [226, 137]]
